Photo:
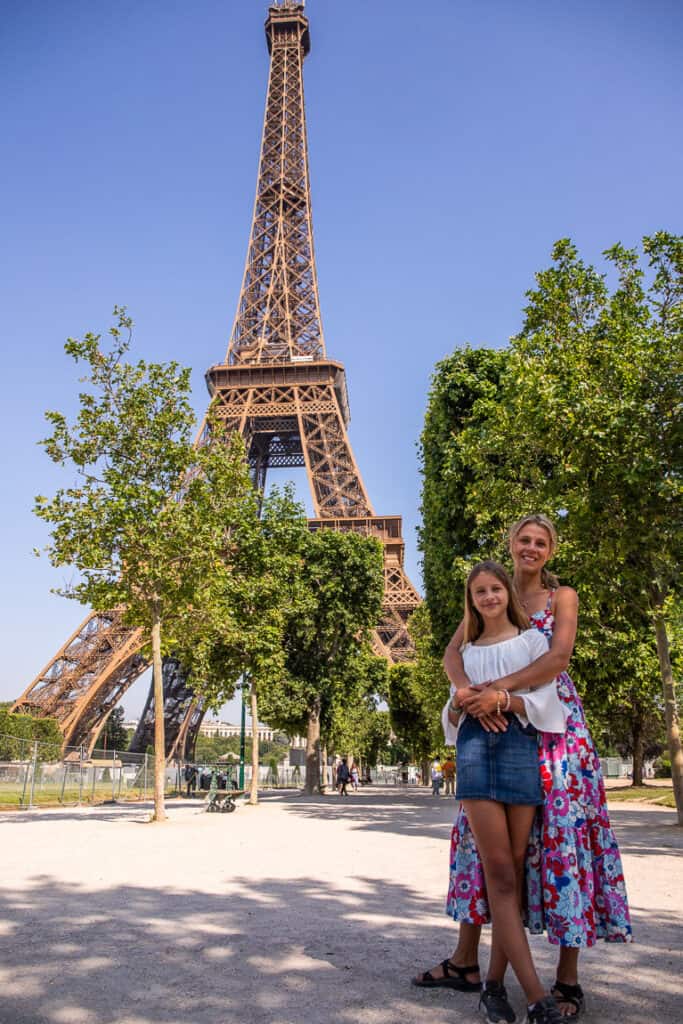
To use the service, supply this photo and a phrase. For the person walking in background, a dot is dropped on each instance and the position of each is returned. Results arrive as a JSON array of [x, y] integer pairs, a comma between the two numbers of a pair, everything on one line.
[[448, 771], [437, 778], [575, 884], [343, 776], [355, 775], [191, 779]]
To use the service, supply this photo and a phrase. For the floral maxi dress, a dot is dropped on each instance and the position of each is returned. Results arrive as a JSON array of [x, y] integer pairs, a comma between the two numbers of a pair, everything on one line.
[[575, 885]]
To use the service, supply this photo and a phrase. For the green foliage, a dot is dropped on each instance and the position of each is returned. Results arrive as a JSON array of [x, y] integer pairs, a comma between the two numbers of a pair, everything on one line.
[[341, 585], [358, 727], [448, 524], [18, 732], [342, 581], [587, 423], [211, 748], [418, 692], [150, 517], [249, 600], [583, 423], [114, 736]]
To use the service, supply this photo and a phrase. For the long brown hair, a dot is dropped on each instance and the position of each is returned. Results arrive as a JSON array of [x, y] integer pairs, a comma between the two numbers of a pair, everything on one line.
[[548, 579], [473, 623]]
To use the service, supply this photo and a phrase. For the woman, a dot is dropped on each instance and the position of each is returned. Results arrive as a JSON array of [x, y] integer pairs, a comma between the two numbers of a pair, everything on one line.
[[575, 882]]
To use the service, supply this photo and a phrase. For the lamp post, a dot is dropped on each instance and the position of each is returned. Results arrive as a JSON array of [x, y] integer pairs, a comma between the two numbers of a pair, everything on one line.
[[242, 735]]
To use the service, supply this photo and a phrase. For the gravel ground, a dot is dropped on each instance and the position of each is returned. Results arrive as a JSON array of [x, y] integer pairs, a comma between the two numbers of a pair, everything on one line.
[[303, 909]]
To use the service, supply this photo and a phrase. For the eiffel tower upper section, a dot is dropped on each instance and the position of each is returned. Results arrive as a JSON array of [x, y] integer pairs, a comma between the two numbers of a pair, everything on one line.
[[278, 317], [280, 390]]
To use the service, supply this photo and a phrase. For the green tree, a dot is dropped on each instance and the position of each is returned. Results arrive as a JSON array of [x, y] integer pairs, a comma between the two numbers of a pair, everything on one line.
[[18, 732], [587, 426], [358, 726], [343, 582], [449, 527], [114, 736], [149, 516], [252, 596], [417, 694]]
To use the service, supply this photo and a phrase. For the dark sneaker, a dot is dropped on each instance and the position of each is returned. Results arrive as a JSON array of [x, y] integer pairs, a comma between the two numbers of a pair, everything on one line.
[[545, 1012], [494, 1005]]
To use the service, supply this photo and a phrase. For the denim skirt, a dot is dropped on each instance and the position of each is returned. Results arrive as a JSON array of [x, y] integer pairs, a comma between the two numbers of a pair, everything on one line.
[[500, 766]]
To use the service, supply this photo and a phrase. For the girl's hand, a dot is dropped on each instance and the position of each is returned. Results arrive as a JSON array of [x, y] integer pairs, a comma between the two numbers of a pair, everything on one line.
[[493, 723]]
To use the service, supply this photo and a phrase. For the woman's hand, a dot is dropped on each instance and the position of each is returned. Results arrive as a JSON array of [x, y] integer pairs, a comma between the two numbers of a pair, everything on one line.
[[482, 702], [479, 700]]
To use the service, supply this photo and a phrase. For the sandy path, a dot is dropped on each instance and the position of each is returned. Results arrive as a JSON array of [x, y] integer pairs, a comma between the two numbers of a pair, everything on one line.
[[313, 910]]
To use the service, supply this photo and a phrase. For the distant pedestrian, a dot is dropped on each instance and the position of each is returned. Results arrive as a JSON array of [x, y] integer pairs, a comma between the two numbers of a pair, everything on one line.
[[437, 779], [343, 776], [354, 777], [448, 771], [191, 778]]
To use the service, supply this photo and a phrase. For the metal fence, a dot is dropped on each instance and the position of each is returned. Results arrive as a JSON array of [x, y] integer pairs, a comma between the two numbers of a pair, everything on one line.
[[34, 773]]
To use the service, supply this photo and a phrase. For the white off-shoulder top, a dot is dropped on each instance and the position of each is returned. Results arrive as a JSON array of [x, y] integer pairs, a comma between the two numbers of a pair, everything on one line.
[[485, 662]]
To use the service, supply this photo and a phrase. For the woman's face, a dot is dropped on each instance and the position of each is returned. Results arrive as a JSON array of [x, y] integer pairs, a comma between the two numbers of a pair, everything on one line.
[[489, 595], [530, 548]]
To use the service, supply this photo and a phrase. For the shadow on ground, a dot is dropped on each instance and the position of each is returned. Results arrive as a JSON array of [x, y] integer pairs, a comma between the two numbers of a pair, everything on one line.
[[648, 831], [277, 953]]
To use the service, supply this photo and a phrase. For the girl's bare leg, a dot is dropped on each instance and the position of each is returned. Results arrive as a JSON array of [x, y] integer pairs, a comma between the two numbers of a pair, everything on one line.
[[492, 825], [519, 841]]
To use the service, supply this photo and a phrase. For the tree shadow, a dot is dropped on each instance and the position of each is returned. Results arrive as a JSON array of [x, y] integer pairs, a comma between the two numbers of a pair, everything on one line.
[[275, 952]]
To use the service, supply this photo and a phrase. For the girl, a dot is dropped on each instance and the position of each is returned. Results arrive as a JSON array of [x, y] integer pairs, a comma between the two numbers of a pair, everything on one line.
[[497, 777], [575, 881]]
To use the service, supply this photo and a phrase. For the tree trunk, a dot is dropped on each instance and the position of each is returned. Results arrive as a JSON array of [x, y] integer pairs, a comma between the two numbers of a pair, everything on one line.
[[159, 741], [324, 781], [426, 770], [313, 750], [670, 712], [253, 788], [638, 744]]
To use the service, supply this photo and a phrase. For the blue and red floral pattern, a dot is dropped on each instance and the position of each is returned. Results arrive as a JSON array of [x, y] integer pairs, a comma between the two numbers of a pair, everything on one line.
[[575, 887]]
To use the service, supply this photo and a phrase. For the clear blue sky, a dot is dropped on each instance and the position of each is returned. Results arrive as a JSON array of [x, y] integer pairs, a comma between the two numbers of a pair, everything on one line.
[[451, 143]]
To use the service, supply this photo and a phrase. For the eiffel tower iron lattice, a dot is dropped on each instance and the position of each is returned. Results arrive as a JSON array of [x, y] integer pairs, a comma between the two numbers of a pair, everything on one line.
[[287, 399]]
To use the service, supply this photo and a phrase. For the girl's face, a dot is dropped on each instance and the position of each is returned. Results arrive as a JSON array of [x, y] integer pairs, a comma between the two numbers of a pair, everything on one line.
[[489, 596], [530, 548]]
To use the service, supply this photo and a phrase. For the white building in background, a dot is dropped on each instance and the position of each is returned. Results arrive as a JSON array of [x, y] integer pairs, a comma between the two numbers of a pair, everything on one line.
[[213, 727]]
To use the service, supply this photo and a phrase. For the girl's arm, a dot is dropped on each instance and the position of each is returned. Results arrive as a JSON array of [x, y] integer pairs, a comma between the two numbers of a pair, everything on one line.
[[455, 670]]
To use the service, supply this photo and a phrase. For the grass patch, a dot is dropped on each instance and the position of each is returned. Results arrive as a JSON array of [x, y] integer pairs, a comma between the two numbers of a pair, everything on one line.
[[649, 794]]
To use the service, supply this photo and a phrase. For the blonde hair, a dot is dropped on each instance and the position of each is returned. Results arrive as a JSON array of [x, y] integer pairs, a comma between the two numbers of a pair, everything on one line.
[[548, 578], [473, 624]]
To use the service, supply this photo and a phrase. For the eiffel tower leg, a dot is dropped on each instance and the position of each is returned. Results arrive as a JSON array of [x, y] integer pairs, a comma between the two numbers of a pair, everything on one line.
[[178, 697]]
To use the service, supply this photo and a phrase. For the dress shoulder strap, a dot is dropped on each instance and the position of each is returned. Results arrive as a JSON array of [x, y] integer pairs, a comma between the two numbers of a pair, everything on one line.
[[550, 599]]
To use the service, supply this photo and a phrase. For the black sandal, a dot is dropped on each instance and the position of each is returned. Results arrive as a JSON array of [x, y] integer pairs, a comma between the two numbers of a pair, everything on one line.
[[453, 977], [572, 994]]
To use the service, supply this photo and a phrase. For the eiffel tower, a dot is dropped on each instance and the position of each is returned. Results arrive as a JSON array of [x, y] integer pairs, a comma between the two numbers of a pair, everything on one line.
[[288, 400]]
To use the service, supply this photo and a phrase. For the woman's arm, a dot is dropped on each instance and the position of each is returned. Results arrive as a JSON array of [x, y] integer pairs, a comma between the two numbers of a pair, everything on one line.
[[549, 665], [485, 702], [453, 663]]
